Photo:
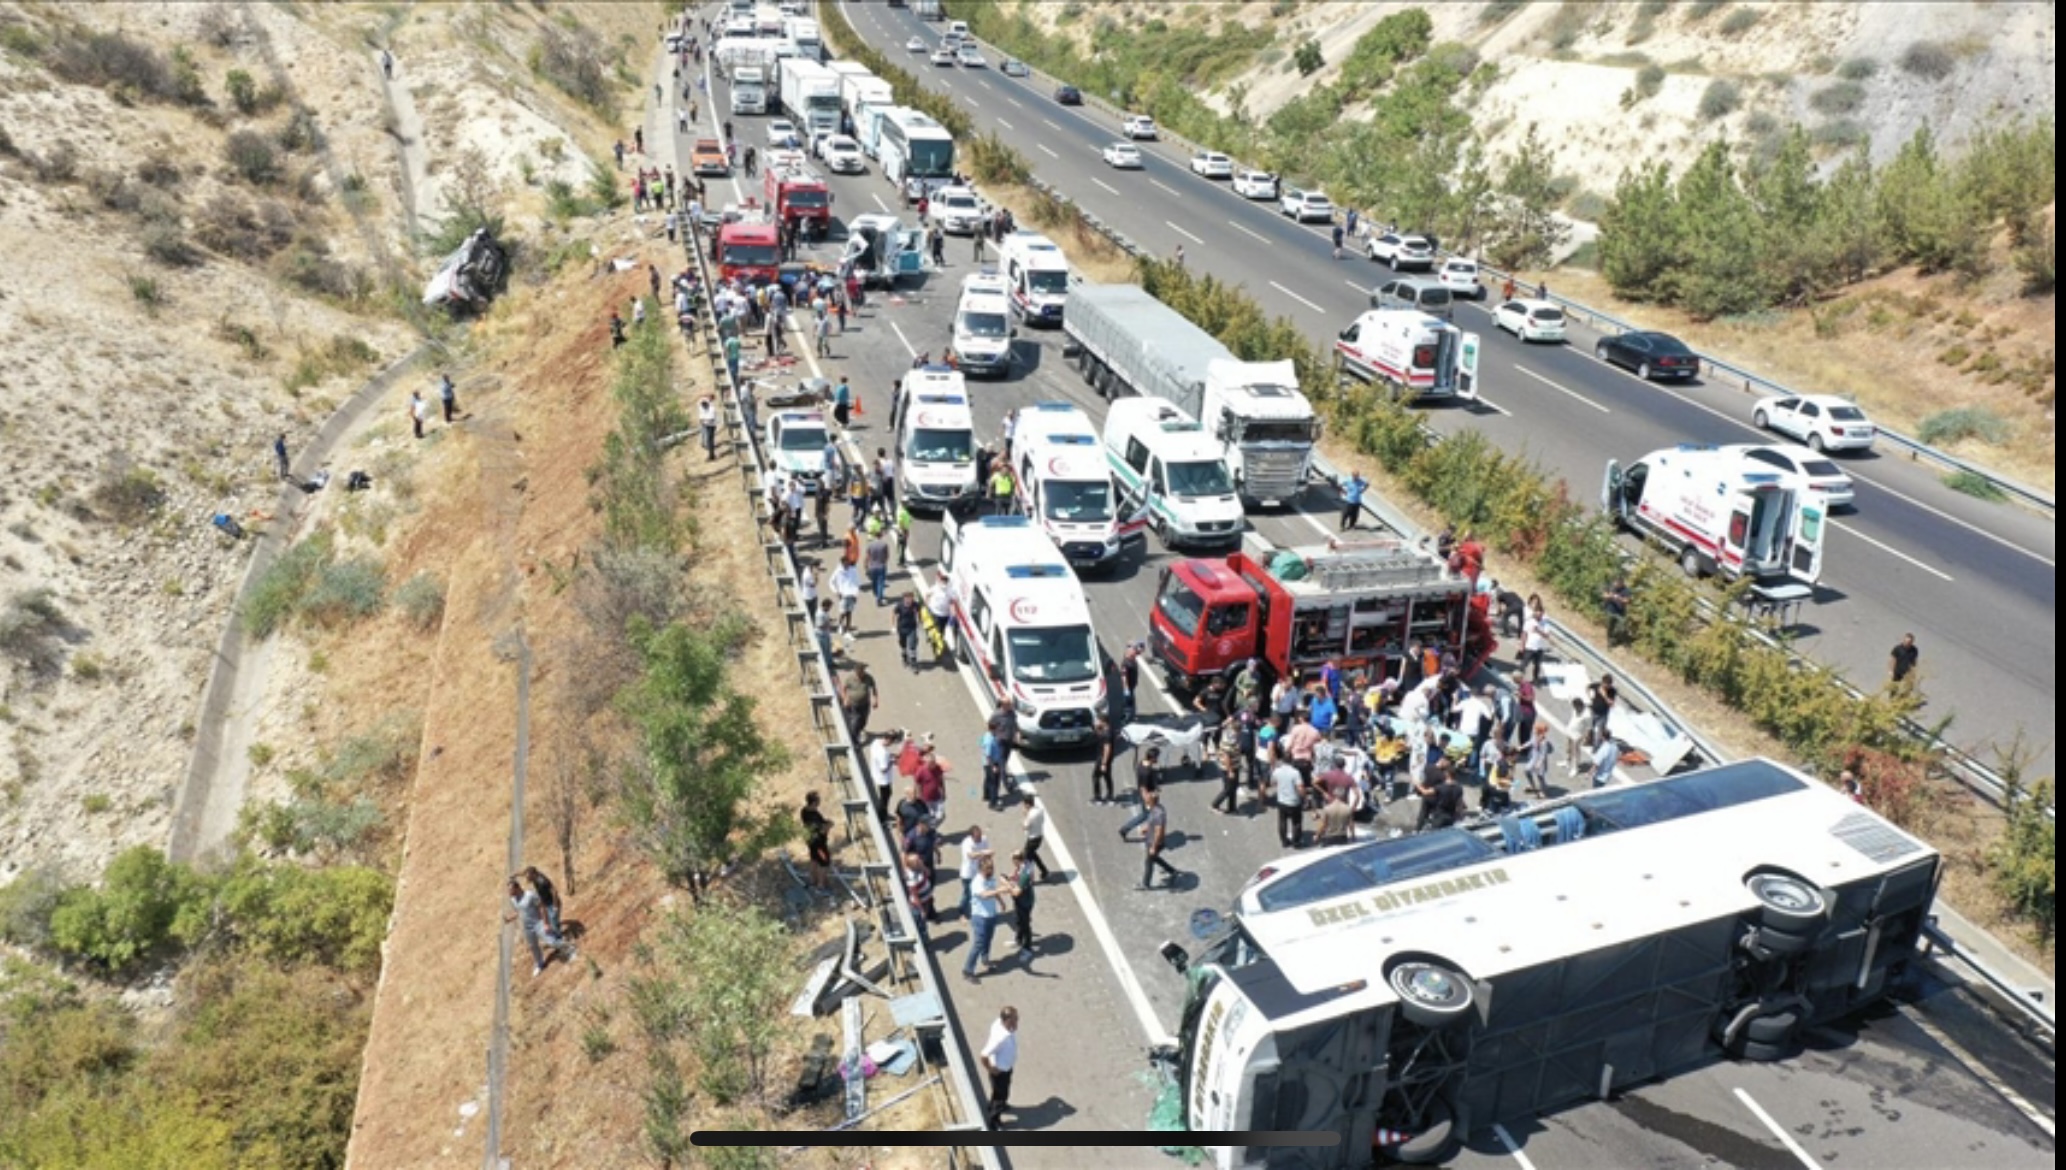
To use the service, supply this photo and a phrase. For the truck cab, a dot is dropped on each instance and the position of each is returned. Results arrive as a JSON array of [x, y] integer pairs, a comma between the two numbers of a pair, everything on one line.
[[936, 440], [1356, 604], [1409, 355], [797, 194], [749, 89], [1720, 512], [1264, 424], [749, 249], [1037, 274], [1064, 486], [1166, 464], [1020, 619]]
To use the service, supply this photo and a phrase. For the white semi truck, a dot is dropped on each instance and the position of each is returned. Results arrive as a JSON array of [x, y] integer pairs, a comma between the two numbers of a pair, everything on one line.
[[749, 90], [1127, 342], [810, 96]]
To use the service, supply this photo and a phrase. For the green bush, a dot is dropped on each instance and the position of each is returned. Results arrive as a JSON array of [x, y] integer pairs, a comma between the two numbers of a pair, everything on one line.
[[1928, 60], [1963, 422], [278, 593], [1838, 97], [1840, 133], [144, 905], [2037, 261], [2025, 860], [1307, 57], [345, 591], [32, 631], [1741, 21], [26, 906], [422, 600], [1858, 69], [243, 91], [290, 915], [1649, 82], [1721, 98]]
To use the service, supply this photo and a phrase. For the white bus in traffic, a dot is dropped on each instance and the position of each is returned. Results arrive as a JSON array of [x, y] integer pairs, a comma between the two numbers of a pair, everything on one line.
[[912, 145], [1407, 992]]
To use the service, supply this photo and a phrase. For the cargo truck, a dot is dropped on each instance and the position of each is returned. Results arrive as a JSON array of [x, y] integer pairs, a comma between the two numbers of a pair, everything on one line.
[[749, 90], [810, 95], [1127, 342]]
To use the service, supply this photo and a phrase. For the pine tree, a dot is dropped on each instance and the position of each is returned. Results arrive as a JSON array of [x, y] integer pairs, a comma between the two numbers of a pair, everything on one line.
[[1639, 234], [1529, 232], [1721, 240]]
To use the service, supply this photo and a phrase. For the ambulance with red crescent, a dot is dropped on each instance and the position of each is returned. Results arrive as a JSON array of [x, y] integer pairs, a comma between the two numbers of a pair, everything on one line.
[[1021, 621], [936, 440], [1065, 487]]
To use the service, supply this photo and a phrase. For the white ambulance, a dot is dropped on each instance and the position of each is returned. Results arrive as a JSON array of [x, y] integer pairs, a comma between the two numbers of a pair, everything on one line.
[[1038, 276], [1720, 512], [1165, 462], [983, 330], [1409, 355], [1020, 619], [1063, 485], [936, 440]]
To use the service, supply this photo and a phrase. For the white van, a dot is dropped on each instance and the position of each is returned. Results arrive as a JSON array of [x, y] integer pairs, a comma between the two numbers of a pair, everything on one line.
[[1166, 463], [1037, 274], [1720, 512], [1020, 619], [936, 440], [1064, 485], [983, 331]]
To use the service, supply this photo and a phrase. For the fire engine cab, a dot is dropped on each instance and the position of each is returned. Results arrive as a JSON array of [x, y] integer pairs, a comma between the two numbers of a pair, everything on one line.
[[1720, 512], [1063, 485], [1357, 604], [796, 194], [1020, 619], [749, 248], [1409, 355]]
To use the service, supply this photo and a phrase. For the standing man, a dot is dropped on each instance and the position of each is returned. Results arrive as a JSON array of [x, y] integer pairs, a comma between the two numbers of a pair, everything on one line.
[[1004, 724], [1337, 241], [706, 417], [418, 411], [985, 898], [1155, 835], [858, 698], [1352, 490], [1035, 824], [1901, 663], [1605, 756], [1147, 784], [1600, 702], [731, 353], [448, 397], [882, 770], [387, 65], [529, 915], [1000, 1056], [817, 835], [548, 896], [843, 393], [1289, 795], [1129, 681], [280, 453], [876, 557], [908, 627], [1615, 602], [1105, 737]]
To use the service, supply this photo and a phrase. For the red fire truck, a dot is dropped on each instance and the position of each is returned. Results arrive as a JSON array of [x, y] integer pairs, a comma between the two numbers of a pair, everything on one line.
[[1357, 604], [796, 194], [749, 248]]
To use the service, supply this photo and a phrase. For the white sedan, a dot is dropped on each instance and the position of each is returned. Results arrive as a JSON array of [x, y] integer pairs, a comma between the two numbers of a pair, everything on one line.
[[1305, 206], [842, 155], [1822, 475], [782, 132], [915, 45], [1822, 421], [1530, 320], [1460, 277], [1139, 126], [1211, 164], [1255, 184], [970, 57], [943, 56], [1124, 155]]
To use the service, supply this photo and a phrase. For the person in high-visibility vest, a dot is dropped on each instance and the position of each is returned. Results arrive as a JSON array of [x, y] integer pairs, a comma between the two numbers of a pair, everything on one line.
[[1001, 488]]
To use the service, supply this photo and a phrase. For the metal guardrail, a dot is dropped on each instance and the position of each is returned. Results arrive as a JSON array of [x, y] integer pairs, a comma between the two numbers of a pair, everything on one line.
[[2028, 1003], [1752, 383], [846, 768]]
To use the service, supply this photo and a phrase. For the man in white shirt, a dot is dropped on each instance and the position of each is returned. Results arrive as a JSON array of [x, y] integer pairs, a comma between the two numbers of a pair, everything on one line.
[[1606, 754], [1036, 831], [974, 848], [846, 585], [882, 768], [1474, 719], [1000, 1056]]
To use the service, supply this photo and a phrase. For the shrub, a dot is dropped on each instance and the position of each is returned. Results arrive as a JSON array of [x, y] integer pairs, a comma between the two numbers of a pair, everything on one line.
[[315, 827], [577, 61], [251, 155], [144, 905], [294, 915], [243, 91], [1649, 81], [235, 226], [2025, 860], [421, 599], [279, 590], [2037, 262], [147, 293], [344, 591], [127, 494], [115, 61], [1928, 60], [20, 39], [1307, 57], [1721, 98], [298, 133], [26, 904], [1739, 22], [310, 267], [1858, 69], [31, 632], [1840, 97], [1702, 9], [1839, 133], [59, 164], [112, 189], [1964, 422], [1498, 11]]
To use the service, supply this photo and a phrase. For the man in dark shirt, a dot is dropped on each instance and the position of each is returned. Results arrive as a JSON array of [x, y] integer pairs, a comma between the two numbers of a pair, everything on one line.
[[1004, 724], [817, 835], [1901, 663], [1129, 682], [1147, 778], [908, 626], [1600, 700], [1441, 798], [1105, 740], [1615, 602]]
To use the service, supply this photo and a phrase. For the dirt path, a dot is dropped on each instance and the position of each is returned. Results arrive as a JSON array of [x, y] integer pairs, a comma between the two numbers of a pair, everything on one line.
[[407, 131], [219, 770]]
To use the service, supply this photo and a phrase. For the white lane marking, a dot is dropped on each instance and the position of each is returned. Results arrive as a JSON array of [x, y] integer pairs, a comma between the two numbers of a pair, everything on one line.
[[1003, 123], [1891, 551], [1015, 103], [1044, 150], [1180, 231], [1166, 187], [1359, 288], [1785, 1139], [1512, 1147], [1052, 124], [909, 349], [1494, 405], [883, 207], [1249, 232], [1108, 942], [1318, 527], [1105, 185], [1294, 296], [1521, 369], [1932, 509], [986, 85]]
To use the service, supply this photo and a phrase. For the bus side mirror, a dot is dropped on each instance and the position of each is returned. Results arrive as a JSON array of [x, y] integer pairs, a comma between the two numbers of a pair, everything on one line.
[[1176, 957]]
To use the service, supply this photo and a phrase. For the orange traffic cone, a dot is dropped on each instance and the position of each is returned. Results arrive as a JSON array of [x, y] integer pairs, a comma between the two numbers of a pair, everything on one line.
[[858, 412]]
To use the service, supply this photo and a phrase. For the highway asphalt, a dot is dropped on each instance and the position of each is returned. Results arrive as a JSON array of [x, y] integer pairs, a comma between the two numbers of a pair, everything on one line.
[[1095, 995], [1976, 582]]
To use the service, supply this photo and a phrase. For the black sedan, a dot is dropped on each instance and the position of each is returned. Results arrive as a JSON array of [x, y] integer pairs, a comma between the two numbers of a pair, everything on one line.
[[1068, 95], [1650, 355]]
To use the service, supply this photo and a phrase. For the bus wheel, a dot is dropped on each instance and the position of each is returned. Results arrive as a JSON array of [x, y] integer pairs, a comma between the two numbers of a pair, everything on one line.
[[1433, 1143], [1770, 1038], [1690, 562], [1788, 904], [1431, 994]]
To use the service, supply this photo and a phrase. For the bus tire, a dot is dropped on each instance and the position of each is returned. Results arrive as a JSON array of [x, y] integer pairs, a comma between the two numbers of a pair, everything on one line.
[[1433, 1143], [1431, 994], [1788, 904], [1779, 1028], [1781, 942], [1757, 1052]]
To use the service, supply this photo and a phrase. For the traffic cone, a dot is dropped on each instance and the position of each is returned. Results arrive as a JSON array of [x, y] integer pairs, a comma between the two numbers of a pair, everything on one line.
[[858, 412]]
